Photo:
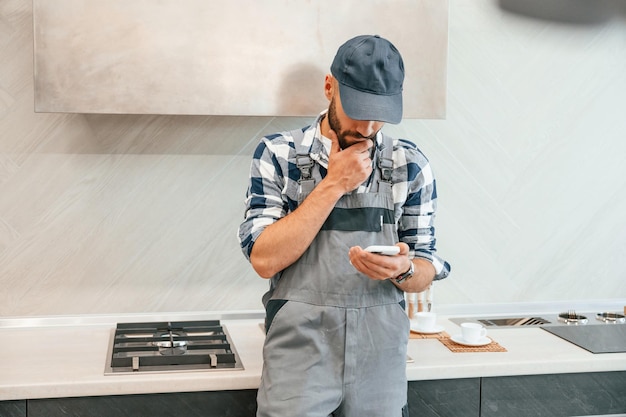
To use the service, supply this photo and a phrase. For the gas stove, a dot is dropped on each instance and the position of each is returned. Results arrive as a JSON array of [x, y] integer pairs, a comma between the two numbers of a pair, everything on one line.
[[175, 346], [607, 337], [570, 318], [596, 332]]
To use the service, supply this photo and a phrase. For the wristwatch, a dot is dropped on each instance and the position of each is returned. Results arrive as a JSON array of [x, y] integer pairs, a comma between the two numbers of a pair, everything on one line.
[[408, 274]]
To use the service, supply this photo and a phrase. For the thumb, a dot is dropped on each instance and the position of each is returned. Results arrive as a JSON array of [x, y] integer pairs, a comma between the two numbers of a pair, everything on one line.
[[404, 248]]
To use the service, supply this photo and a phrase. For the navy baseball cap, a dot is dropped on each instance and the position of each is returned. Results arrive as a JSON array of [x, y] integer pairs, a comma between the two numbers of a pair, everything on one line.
[[370, 72]]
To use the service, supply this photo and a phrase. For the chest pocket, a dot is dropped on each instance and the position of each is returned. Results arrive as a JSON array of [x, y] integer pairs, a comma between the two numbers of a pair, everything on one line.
[[354, 212], [369, 218]]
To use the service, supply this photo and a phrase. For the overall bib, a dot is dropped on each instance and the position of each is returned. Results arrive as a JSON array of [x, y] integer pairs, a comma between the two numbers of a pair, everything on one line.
[[336, 339]]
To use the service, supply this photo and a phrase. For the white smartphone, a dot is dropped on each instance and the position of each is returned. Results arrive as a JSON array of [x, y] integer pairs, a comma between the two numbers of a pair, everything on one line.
[[384, 250]]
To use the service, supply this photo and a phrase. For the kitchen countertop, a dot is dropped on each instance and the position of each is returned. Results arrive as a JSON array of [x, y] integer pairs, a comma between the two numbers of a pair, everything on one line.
[[55, 357]]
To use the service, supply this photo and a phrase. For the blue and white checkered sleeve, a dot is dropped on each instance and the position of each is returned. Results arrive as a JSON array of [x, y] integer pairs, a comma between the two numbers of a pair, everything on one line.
[[416, 227], [264, 200]]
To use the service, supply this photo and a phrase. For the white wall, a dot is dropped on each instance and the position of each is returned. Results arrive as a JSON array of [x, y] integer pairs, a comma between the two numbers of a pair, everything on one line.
[[126, 213], [531, 159]]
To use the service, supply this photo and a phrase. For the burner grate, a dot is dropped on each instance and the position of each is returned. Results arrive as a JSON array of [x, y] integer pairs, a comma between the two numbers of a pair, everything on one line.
[[570, 317], [171, 347], [615, 318]]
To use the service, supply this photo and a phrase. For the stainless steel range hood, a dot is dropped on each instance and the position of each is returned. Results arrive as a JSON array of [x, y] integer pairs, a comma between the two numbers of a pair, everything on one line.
[[202, 57]]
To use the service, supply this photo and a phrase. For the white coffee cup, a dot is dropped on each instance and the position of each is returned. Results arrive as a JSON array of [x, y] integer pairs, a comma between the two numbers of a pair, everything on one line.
[[473, 332], [426, 320]]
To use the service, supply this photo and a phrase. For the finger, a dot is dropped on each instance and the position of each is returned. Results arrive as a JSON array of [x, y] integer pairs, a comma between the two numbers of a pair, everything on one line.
[[354, 252], [334, 142], [362, 147], [404, 248], [363, 144], [358, 256]]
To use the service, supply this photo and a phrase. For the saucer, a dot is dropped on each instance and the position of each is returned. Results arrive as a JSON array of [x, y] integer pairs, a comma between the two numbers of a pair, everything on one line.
[[480, 342], [435, 329]]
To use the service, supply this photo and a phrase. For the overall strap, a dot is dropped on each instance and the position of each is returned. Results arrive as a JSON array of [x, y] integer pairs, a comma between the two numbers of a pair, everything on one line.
[[304, 164], [385, 164]]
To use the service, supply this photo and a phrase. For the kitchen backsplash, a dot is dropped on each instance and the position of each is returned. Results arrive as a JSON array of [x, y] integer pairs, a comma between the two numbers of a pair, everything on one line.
[[138, 213]]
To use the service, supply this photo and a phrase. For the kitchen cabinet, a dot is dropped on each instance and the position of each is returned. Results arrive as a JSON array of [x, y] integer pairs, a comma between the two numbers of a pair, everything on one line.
[[580, 394], [241, 403], [426, 398], [13, 408], [441, 398], [557, 395], [445, 398]]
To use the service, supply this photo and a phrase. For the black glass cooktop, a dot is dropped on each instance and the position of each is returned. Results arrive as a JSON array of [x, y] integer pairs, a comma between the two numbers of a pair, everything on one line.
[[603, 338]]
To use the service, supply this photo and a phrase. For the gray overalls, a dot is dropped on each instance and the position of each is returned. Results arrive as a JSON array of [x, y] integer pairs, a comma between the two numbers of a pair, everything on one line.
[[336, 340]]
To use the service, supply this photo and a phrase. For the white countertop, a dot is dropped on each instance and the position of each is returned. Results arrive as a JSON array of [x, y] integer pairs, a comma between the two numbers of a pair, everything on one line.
[[65, 357]]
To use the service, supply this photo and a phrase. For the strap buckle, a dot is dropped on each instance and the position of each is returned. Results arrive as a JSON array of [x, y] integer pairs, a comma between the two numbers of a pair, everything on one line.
[[304, 163], [386, 168]]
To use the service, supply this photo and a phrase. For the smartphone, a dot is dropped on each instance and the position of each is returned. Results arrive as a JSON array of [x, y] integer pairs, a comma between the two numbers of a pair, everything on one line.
[[384, 250]]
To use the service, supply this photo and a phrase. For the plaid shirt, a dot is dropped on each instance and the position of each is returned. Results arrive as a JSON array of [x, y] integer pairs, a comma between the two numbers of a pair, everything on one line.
[[273, 190]]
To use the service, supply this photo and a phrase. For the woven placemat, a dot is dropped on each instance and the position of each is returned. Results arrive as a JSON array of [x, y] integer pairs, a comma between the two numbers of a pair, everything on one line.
[[440, 335], [456, 347]]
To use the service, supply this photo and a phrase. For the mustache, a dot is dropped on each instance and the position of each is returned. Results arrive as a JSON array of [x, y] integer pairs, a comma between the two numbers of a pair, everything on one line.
[[360, 136], [357, 135]]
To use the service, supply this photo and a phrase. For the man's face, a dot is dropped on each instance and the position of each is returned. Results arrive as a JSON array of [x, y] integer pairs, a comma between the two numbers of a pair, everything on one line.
[[350, 131]]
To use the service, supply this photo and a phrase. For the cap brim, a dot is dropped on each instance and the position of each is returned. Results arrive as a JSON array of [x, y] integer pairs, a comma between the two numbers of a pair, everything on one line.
[[359, 105]]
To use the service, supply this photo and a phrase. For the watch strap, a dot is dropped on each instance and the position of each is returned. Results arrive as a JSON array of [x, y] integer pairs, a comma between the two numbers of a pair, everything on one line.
[[408, 274]]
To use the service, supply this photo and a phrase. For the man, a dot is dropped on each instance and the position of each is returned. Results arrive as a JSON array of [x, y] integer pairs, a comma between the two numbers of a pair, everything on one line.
[[336, 327]]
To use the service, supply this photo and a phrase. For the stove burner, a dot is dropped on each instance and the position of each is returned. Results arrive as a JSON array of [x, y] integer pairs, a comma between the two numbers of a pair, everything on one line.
[[176, 347], [611, 317], [570, 317], [171, 347]]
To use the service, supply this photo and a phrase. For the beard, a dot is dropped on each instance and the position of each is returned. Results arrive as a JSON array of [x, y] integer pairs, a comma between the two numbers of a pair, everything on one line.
[[342, 135]]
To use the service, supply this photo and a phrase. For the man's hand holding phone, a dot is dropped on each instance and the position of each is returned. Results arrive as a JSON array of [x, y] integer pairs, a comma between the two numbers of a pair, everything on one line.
[[380, 262]]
